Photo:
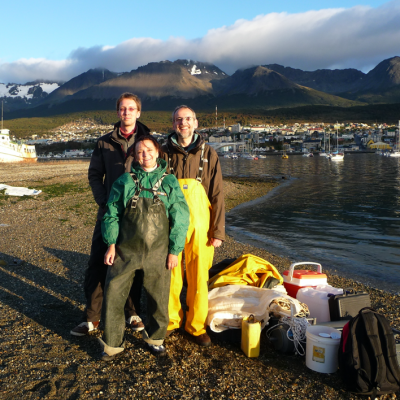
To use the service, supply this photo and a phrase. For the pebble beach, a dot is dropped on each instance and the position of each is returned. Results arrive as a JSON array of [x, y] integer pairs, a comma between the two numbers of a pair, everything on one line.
[[44, 248]]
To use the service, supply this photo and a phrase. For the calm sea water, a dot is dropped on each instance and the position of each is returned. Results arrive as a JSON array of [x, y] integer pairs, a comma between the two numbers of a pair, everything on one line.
[[344, 215]]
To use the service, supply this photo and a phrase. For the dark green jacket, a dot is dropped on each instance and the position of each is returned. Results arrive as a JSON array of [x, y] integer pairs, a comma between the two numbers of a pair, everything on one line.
[[175, 204]]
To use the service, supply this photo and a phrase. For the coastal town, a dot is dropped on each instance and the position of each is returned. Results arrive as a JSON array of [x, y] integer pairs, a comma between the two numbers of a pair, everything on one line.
[[299, 137], [202, 205]]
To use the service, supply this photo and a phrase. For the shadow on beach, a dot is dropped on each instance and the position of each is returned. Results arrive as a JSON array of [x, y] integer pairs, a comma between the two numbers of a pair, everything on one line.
[[50, 300]]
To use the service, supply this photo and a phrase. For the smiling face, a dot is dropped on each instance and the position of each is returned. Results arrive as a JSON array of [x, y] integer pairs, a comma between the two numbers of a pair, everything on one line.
[[146, 154], [128, 113], [185, 124]]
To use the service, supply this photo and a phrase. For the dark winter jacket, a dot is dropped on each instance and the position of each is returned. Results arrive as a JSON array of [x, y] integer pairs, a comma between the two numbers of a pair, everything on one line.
[[108, 162], [185, 165]]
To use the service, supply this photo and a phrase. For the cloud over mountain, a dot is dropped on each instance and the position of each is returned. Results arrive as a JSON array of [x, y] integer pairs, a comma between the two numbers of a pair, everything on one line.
[[357, 37]]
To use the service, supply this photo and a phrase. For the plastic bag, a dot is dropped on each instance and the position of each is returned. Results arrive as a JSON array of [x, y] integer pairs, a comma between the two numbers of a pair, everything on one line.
[[227, 305]]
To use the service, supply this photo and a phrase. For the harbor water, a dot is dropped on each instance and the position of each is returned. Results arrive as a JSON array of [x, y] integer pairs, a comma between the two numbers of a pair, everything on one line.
[[344, 215]]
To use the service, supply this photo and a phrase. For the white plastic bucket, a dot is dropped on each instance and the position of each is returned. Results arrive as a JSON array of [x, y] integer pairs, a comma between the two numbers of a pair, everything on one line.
[[322, 352]]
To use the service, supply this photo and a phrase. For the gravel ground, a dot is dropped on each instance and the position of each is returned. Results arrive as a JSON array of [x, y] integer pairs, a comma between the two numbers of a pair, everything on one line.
[[44, 247]]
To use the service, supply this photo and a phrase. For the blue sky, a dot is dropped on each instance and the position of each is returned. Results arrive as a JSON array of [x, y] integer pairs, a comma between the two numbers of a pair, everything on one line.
[[58, 40]]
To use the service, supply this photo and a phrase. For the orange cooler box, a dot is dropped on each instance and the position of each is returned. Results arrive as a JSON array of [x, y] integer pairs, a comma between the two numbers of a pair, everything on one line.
[[294, 280]]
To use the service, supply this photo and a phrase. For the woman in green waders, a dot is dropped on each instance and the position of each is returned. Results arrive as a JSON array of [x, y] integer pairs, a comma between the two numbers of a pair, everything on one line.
[[145, 228]]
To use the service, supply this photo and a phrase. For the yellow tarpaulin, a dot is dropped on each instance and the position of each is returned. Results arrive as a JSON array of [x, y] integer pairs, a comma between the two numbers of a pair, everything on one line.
[[246, 270]]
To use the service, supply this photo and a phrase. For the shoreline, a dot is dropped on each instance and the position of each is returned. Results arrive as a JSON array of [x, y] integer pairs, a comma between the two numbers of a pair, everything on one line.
[[44, 249], [246, 239]]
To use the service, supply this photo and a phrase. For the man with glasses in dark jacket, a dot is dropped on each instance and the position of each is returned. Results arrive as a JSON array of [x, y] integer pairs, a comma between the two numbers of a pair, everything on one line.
[[108, 163]]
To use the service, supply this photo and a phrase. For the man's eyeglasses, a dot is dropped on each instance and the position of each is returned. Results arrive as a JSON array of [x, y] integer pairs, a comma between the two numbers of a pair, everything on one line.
[[187, 119], [124, 109]]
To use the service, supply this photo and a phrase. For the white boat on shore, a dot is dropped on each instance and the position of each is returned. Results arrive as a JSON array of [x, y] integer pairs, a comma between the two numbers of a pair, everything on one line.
[[15, 152], [11, 151]]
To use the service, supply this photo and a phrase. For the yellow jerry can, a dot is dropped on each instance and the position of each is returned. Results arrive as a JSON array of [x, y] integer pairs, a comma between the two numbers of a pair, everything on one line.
[[251, 333]]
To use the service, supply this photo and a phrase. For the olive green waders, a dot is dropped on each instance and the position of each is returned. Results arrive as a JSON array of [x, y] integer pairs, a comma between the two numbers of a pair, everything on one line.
[[142, 244]]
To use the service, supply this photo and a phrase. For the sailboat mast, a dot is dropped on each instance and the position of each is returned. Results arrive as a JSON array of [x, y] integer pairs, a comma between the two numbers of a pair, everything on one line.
[[398, 138], [337, 137], [329, 141]]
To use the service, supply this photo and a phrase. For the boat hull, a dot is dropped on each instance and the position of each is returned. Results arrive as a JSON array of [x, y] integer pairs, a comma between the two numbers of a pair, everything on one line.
[[17, 153], [336, 157]]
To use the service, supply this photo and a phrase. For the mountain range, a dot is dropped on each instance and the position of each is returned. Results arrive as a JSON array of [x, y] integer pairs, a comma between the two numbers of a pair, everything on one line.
[[163, 85]]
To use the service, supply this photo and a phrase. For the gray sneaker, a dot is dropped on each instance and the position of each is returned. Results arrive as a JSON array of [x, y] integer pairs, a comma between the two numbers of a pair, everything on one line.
[[135, 323]]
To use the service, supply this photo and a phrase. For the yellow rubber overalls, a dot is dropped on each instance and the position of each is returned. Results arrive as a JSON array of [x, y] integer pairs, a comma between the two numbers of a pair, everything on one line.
[[199, 255]]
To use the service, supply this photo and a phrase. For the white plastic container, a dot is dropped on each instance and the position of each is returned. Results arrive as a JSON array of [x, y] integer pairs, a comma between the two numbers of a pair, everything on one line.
[[322, 352], [329, 289], [317, 301]]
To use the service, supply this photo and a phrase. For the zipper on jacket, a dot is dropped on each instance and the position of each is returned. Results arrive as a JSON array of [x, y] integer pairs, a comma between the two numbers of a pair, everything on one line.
[[126, 155]]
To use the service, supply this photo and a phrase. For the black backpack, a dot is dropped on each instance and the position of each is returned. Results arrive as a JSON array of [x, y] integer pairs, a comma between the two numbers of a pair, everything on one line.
[[367, 355]]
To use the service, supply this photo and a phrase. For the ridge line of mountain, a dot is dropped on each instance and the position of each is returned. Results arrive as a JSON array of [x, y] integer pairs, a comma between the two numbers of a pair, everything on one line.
[[161, 85]]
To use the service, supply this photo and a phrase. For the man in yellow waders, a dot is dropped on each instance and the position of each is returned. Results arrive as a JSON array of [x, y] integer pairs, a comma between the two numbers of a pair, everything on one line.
[[197, 167]]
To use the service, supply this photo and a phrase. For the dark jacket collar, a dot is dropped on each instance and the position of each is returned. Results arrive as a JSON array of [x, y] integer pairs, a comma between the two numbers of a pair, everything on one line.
[[141, 130], [197, 145]]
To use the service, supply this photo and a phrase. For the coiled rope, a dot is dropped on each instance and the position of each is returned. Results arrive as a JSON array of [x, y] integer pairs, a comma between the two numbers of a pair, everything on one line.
[[298, 326], [296, 332]]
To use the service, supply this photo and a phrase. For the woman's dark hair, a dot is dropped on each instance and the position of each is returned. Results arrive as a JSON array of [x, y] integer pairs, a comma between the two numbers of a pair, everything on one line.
[[152, 139]]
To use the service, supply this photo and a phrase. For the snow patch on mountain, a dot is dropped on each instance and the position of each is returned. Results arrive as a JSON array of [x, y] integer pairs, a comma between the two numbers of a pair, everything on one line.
[[26, 91], [195, 70]]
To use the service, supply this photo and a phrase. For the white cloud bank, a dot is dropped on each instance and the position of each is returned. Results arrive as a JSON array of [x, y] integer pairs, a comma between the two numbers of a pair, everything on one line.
[[359, 37]]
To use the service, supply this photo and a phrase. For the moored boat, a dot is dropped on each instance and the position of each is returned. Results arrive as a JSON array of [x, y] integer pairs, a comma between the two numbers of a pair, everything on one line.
[[249, 157], [336, 156], [11, 151], [396, 151]]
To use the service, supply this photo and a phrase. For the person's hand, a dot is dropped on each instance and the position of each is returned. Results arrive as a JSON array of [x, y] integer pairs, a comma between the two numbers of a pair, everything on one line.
[[172, 261], [216, 242], [110, 255]]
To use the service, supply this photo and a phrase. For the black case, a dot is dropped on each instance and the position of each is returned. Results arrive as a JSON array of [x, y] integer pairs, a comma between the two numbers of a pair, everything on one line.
[[348, 304]]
